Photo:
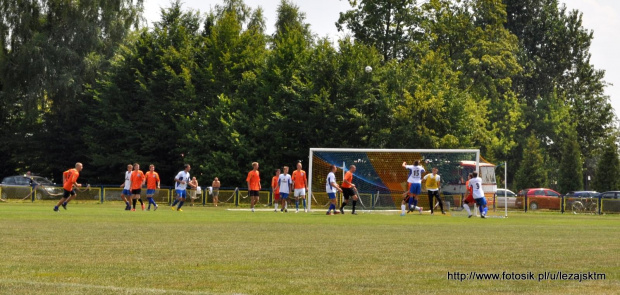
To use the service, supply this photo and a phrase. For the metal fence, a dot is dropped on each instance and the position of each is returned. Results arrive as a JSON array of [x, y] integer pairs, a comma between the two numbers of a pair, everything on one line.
[[368, 200]]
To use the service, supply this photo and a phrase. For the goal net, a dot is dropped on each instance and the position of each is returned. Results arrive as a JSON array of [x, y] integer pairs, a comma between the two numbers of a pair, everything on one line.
[[381, 180]]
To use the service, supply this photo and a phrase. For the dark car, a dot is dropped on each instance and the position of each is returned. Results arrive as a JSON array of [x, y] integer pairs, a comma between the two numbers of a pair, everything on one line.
[[610, 201], [582, 194], [539, 198], [18, 186]]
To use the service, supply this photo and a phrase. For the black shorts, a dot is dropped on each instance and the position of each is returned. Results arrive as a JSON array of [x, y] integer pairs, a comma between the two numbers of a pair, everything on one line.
[[433, 193], [253, 193], [68, 193], [347, 192], [136, 191]]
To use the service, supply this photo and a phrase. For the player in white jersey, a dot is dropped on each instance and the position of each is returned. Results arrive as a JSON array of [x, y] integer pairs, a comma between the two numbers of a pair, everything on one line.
[[127, 187], [285, 184], [476, 185], [331, 187], [180, 186], [415, 187]]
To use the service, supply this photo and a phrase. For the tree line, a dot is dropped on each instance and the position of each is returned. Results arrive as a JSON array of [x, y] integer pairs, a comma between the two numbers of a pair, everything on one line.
[[88, 81]]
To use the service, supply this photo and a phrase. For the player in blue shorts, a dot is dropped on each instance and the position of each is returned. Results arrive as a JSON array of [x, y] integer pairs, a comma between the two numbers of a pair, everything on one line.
[[415, 187], [180, 187], [285, 187], [152, 183], [475, 183], [331, 187], [126, 193]]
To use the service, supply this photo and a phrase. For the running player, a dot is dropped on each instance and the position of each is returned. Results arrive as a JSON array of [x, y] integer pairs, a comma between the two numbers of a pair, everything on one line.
[[432, 182], [476, 185], [285, 187], [415, 180], [275, 190], [348, 190], [300, 183], [152, 183], [69, 180], [254, 187], [137, 181], [180, 187], [331, 187], [469, 198], [126, 193], [216, 191]]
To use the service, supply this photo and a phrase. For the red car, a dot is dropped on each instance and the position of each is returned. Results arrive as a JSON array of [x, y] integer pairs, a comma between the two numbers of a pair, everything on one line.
[[539, 198]]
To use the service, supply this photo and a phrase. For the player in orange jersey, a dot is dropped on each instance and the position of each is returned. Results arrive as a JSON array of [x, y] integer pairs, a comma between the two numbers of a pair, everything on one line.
[[69, 180], [254, 187], [152, 183], [348, 190], [469, 199], [137, 181], [300, 184], [275, 190]]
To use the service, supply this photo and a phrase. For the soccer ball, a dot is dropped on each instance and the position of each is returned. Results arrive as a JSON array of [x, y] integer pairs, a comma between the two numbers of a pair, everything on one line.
[[368, 69]]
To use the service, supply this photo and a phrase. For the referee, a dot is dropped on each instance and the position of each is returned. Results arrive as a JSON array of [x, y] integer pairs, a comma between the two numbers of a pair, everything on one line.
[[432, 182]]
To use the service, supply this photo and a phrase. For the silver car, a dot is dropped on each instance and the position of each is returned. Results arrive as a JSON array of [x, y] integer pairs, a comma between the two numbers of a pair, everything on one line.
[[503, 196]]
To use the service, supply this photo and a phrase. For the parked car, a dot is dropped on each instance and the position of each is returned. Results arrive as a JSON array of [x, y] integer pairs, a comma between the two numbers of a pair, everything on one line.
[[573, 196], [581, 194], [610, 201], [503, 196], [539, 198], [18, 186], [611, 195]]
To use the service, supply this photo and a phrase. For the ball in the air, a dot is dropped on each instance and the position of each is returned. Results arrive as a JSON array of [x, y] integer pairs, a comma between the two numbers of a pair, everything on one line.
[[368, 69]]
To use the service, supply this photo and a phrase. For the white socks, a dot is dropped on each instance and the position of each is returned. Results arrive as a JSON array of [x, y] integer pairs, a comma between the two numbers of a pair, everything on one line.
[[403, 207], [275, 206], [467, 208]]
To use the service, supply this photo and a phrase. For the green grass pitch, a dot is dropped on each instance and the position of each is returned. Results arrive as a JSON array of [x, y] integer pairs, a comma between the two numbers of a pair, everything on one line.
[[102, 249]]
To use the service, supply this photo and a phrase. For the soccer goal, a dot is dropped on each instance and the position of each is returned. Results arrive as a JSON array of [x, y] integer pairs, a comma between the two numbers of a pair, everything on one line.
[[381, 180]]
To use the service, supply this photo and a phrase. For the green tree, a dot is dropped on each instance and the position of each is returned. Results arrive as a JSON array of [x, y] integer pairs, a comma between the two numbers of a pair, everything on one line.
[[531, 171], [55, 49], [554, 53], [143, 101], [388, 25], [608, 168], [570, 174]]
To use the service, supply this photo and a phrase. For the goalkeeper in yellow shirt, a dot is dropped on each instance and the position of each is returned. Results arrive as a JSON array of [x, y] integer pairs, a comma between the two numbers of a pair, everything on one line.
[[432, 182]]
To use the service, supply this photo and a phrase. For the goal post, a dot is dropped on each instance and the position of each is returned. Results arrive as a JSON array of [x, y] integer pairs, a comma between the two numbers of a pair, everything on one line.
[[380, 178]]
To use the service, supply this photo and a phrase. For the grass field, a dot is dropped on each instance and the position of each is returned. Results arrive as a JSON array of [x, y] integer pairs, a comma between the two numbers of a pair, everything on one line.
[[101, 249]]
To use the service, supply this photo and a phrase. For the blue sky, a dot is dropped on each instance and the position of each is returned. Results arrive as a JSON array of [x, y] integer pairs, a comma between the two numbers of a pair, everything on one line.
[[601, 16]]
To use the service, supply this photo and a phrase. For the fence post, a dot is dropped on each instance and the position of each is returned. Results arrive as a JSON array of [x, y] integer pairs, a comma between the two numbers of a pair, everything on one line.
[[204, 197], [495, 201], [600, 204], [372, 200], [237, 197], [101, 199], [270, 199], [525, 205], [562, 203]]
